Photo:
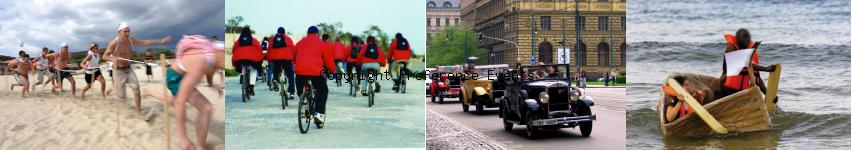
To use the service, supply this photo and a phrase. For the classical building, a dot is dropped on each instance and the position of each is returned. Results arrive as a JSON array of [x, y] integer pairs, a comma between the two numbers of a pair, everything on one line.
[[535, 31], [443, 13]]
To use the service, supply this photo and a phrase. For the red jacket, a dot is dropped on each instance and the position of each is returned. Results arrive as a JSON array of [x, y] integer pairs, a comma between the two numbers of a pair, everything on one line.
[[339, 52], [311, 54], [397, 54], [381, 59], [282, 53], [348, 50], [252, 52]]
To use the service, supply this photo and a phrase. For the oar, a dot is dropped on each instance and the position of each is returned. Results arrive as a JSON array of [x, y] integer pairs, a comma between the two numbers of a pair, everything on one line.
[[697, 108], [166, 104], [772, 88]]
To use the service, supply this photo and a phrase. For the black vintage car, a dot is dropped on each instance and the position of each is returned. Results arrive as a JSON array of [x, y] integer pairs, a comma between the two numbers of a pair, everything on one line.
[[541, 96]]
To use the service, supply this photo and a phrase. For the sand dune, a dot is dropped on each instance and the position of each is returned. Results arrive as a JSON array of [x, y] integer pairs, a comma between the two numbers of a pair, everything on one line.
[[48, 121]]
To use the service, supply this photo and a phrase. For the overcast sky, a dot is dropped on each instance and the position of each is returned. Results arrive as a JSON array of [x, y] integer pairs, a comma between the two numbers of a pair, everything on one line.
[[392, 16], [47, 23]]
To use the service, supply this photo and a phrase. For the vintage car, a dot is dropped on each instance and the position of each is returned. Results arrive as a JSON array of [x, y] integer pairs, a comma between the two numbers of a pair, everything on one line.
[[446, 84], [483, 88], [541, 96], [429, 72]]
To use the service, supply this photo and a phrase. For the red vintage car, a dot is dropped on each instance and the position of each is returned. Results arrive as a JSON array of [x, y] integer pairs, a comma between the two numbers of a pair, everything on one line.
[[446, 83]]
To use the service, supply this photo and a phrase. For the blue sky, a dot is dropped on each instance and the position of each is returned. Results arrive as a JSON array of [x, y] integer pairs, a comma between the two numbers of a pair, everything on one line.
[[392, 16], [47, 23]]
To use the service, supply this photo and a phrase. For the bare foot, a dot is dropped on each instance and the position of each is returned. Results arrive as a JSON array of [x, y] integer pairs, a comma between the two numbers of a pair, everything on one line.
[[186, 144]]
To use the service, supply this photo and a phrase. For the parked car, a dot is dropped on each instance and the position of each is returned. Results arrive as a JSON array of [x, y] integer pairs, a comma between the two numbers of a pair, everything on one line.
[[482, 91], [447, 84], [541, 96]]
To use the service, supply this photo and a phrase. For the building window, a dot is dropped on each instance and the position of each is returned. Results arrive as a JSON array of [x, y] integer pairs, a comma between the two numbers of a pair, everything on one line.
[[603, 0], [447, 21], [603, 54], [545, 22], [602, 23], [448, 4], [581, 23], [624, 23], [457, 21], [581, 54], [431, 5], [437, 22], [428, 22], [545, 53], [623, 54]]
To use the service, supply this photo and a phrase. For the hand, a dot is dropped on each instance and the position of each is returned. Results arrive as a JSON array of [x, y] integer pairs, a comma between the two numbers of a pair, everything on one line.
[[772, 68]]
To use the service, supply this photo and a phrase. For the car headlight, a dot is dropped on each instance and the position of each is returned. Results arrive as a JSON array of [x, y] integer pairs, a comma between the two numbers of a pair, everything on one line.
[[575, 96], [544, 97], [589, 98]]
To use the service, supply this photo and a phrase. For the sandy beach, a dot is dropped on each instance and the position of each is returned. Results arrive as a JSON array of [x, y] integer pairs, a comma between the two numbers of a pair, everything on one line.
[[48, 121]]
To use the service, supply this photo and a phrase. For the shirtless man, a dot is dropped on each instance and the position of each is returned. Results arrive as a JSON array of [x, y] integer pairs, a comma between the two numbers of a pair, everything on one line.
[[61, 60], [119, 50], [22, 66]]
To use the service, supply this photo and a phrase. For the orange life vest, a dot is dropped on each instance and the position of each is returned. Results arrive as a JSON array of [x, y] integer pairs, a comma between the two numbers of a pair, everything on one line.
[[684, 109], [741, 81]]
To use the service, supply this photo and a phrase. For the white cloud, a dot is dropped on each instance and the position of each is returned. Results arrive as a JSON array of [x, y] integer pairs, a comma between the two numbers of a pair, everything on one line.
[[47, 23]]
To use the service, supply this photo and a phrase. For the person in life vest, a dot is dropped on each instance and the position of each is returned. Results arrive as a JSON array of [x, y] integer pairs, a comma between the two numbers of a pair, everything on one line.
[[399, 54], [312, 57], [21, 67], [371, 59], [352, 67], [280, 57], [91, 64], [677, 108], [247, 52], [732, 84]]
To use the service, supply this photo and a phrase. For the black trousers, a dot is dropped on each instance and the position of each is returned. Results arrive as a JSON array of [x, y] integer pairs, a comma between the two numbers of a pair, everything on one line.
[[287, 67], [319, 84]]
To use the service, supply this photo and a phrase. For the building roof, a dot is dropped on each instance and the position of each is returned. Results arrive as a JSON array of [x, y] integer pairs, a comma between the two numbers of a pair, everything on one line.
[[443, 4]]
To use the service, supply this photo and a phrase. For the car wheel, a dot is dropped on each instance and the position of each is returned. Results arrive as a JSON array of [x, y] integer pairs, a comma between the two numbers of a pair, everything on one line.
[[585, 127], [506, 124], [500, 102], [433, 98], [440, 99], [532, 131], [479, 108]]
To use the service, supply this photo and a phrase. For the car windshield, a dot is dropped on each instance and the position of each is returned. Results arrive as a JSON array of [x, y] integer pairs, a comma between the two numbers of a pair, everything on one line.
[[450, 69], [545, 72], [491, 70]]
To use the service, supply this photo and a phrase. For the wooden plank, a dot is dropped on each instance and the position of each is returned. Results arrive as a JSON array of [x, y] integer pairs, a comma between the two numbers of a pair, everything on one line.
[[697, 108], [772, 88], [166, 103]]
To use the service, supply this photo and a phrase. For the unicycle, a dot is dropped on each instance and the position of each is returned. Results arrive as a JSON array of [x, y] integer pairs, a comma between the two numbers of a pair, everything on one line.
[[244, 80], [306, 105]]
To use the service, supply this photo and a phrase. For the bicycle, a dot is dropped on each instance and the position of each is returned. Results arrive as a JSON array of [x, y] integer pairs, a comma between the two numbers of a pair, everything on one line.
[[354, 82], [282, 91], [371, 94], [403, 72]]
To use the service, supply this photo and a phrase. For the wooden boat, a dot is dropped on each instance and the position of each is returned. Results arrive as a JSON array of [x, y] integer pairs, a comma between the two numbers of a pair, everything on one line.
[[745, 111]]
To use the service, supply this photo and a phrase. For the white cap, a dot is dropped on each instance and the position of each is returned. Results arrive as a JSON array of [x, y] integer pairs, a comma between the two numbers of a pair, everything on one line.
[[63, 45], [121, 26]]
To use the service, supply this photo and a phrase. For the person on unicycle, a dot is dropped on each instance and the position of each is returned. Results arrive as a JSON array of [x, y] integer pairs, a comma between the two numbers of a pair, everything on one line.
[[311, 57]]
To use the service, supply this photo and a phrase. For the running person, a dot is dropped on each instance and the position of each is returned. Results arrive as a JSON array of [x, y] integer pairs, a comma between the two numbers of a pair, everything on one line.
[[42, 64], [22, 66], [399, 54], [61, 60], [149, 58], [196, 57], [119, 51], [281, 58], [91, 64], [247, 52], [371, 58], [311, 55]]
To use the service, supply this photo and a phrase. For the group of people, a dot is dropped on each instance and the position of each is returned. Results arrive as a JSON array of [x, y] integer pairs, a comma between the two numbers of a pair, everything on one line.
[[315, 57], [731, 82], [196, 57]]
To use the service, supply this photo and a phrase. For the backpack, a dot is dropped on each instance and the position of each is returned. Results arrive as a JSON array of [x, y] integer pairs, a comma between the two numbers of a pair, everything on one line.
[[372, 51], [402, 44], [278, 41], [245, 40], [353, 53]]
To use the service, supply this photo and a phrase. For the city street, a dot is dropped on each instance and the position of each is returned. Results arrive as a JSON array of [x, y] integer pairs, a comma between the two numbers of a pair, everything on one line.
[[608, 130]]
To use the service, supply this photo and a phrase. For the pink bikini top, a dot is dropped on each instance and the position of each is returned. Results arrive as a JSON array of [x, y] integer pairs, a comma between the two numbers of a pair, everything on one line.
[[207, 47]]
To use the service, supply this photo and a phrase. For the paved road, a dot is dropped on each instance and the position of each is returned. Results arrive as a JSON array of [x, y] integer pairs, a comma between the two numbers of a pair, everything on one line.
[[395, 121], [608, 130]]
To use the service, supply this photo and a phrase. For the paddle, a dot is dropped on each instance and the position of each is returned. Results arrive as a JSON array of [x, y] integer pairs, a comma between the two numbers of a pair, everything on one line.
[[697, 108], [772, 88]]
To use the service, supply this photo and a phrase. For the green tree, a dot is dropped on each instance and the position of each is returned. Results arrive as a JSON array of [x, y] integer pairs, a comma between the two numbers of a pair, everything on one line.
[[332, 29], [448, 47], [381, 36], [233, 24]]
